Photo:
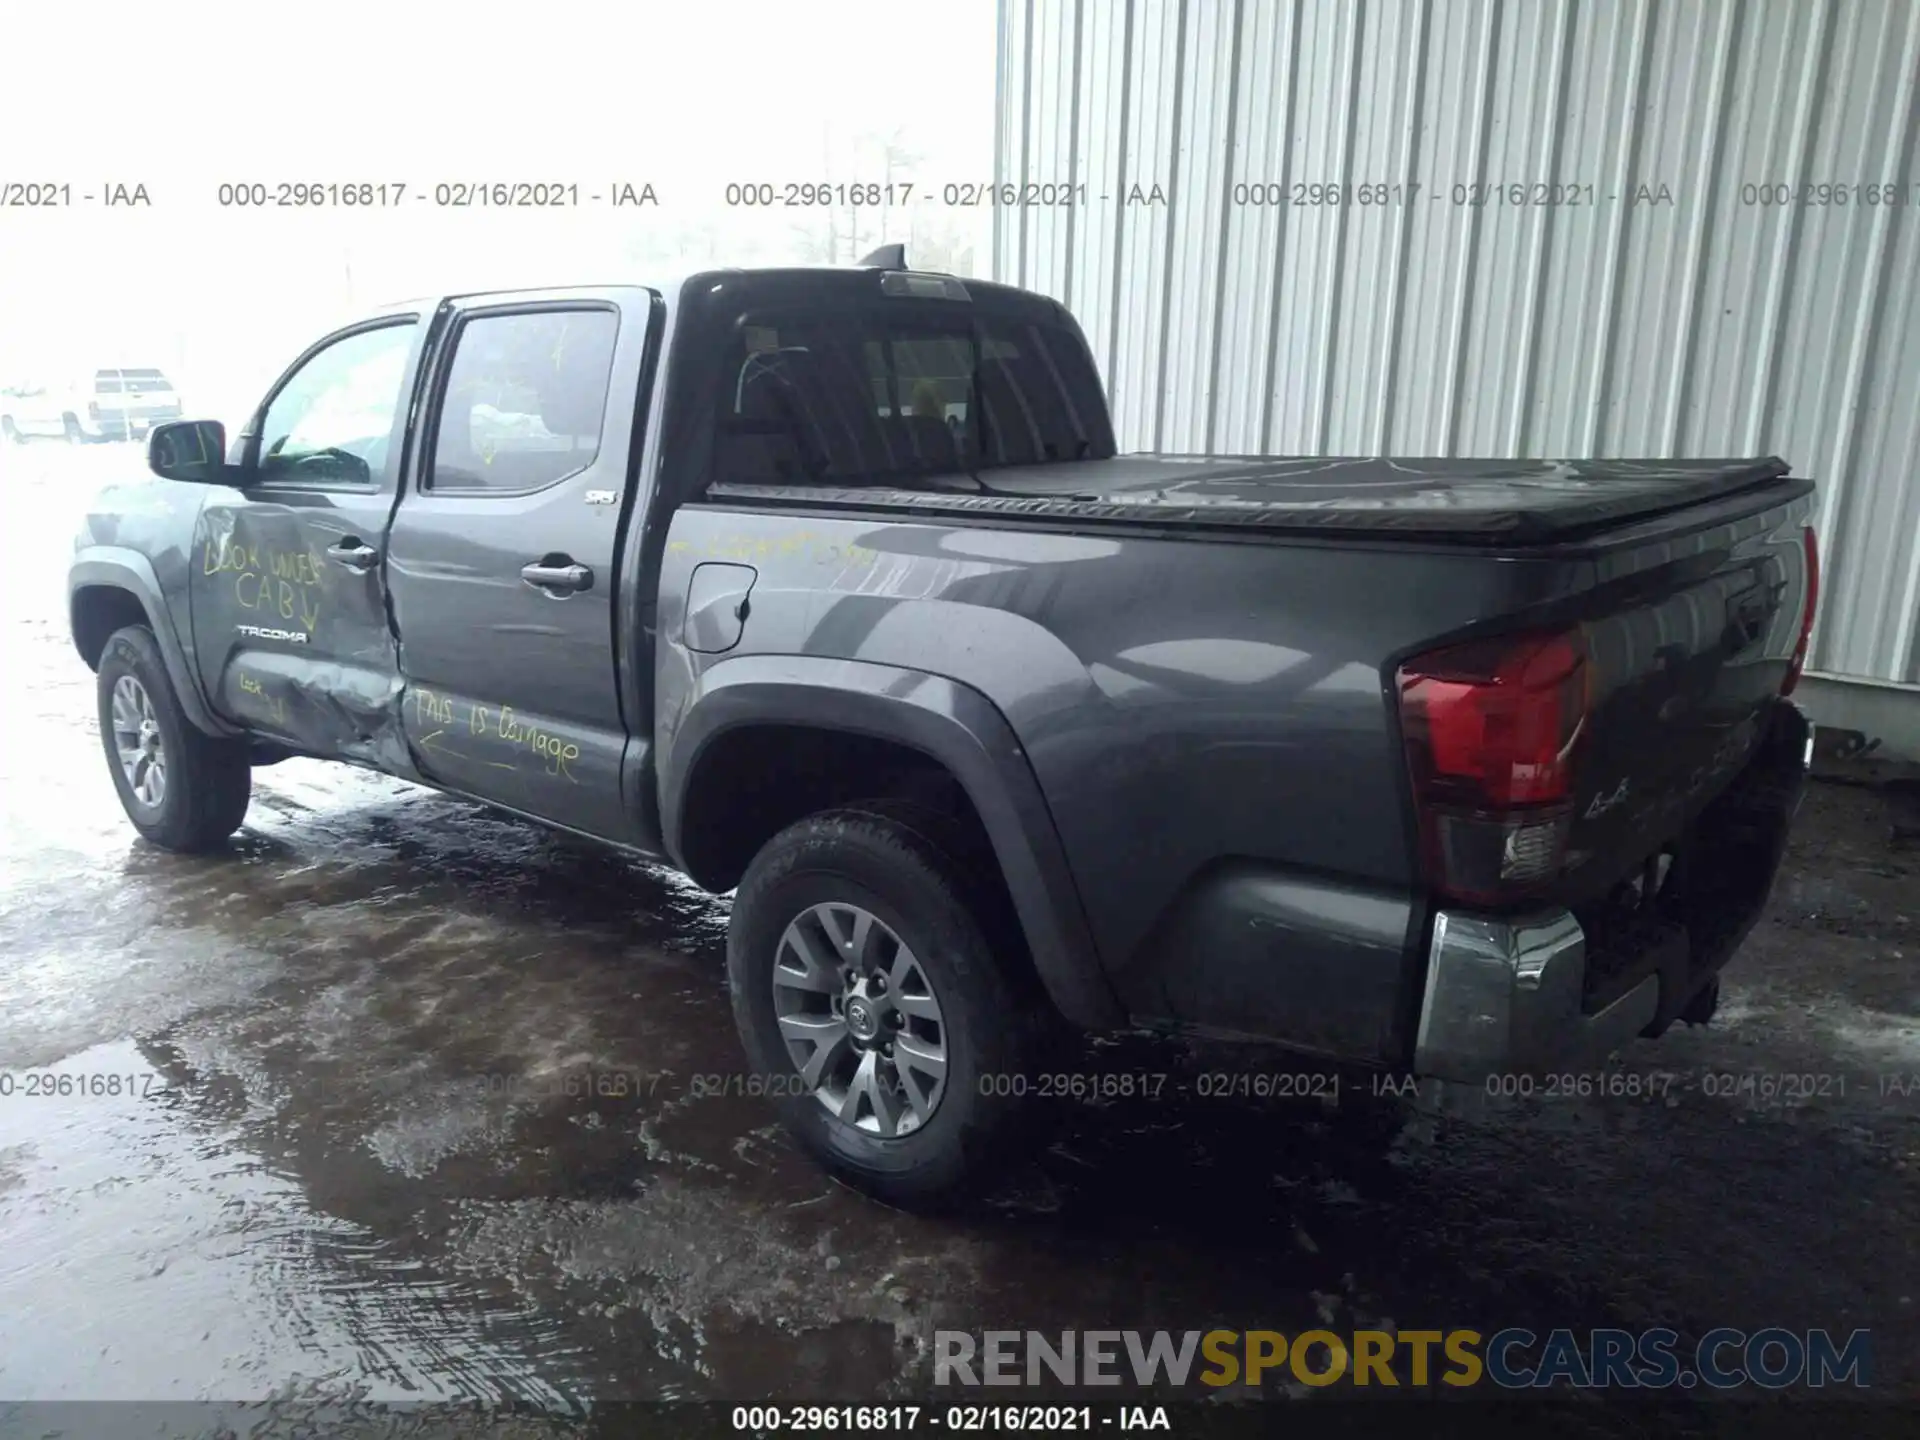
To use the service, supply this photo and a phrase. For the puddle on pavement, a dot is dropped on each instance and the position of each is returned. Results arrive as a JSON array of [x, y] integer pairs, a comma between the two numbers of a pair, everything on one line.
[[150, 1256]]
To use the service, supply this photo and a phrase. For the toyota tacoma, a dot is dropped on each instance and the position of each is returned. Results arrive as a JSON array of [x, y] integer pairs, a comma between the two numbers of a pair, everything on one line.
[[828, 588]]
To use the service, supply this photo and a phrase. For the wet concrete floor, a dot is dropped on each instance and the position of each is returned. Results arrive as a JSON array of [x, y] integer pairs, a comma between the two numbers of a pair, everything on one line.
[[346, 1148]]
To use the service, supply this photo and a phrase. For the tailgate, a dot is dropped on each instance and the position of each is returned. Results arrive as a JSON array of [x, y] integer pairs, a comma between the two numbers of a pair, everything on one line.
[[1690, 638]]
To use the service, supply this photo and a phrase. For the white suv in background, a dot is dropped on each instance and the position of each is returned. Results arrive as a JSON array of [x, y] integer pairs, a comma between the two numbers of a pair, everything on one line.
[[121, 404]]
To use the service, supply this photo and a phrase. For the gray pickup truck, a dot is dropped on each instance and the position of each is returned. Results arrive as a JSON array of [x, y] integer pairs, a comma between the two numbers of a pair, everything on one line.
[[828, 587]]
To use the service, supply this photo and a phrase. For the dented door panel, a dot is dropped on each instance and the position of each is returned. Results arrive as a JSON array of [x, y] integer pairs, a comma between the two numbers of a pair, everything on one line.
[[287, 584], [288, 639]]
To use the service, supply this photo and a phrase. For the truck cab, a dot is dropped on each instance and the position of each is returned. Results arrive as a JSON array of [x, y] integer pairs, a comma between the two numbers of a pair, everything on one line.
[[453, 474]]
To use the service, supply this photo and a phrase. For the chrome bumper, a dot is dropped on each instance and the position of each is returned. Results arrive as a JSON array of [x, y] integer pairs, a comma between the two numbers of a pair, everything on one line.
[[1504, 995]]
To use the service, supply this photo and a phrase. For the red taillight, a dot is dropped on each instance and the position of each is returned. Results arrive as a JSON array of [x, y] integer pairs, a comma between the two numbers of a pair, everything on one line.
[[1499, 718], [1799, 661], [1493, 729]]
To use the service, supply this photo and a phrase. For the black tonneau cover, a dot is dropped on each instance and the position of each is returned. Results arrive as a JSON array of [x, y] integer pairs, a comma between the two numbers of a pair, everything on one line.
[[1471, 501]]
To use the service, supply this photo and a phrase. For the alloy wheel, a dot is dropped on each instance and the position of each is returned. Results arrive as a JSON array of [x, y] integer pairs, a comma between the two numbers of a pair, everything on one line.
[[860, 1019], [136, 739]]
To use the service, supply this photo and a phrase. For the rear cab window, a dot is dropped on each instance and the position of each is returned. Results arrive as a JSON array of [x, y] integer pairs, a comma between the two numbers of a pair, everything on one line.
[[893, 392]]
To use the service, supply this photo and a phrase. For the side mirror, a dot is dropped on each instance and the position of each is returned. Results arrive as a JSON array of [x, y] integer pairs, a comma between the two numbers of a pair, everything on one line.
[[194, 451]]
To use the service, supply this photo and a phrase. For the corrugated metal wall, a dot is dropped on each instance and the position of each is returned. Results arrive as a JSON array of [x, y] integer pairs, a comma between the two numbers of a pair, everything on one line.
[[1688, 318]]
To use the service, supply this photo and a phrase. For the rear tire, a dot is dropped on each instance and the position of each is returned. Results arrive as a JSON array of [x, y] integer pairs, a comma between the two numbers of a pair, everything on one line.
[[183, 789], [942, 1143]]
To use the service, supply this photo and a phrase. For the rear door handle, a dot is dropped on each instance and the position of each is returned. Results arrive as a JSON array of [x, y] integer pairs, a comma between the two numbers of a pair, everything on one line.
[[557, 575], [352, 554]]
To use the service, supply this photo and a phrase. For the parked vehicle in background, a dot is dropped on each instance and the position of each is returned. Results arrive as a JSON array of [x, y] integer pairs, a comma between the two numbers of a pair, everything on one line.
[[116, 404], [128, 403], [32, 408], [829, 588]]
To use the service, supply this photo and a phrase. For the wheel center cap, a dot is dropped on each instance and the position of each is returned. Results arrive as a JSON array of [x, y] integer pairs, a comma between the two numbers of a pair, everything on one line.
[[861, 1020]]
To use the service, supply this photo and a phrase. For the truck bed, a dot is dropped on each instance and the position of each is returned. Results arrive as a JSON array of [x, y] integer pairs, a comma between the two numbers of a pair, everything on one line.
[[1469, 501]]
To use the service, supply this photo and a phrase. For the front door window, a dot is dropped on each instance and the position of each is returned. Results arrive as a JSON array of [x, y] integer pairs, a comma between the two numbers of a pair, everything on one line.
[[331, 422]]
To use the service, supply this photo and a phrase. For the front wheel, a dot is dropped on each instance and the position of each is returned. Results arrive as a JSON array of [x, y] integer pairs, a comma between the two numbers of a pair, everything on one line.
[[75, 435], [875, 1010], [182, 788], [11, 431]]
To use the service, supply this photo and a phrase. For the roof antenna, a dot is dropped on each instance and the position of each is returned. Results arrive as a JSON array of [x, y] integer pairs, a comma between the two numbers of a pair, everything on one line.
[[888, 257]]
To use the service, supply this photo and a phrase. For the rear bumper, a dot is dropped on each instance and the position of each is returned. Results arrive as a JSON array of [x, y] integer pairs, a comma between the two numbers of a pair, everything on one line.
[[1504, 995], [1528, 993]]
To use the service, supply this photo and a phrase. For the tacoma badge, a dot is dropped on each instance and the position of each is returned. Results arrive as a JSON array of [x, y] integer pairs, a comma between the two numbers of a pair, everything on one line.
[[292, 637]]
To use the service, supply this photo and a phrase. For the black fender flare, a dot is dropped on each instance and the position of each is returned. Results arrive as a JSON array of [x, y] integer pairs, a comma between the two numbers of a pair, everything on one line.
[[115, 567], [949, 722]]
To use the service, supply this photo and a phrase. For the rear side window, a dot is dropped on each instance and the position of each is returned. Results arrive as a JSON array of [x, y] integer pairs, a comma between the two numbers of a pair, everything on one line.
[[145, 380], [525, 397], [106, 382], [883, 395]]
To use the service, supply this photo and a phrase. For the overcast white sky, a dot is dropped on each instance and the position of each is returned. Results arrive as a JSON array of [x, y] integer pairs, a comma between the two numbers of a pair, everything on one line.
[[184, 96]]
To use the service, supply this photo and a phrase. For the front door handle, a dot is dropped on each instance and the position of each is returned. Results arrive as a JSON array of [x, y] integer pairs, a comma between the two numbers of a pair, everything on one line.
[[352, 554], [557, 575]]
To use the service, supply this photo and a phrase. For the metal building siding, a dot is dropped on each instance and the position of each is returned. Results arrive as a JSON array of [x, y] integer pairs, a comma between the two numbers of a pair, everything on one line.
[[1700, 327]]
